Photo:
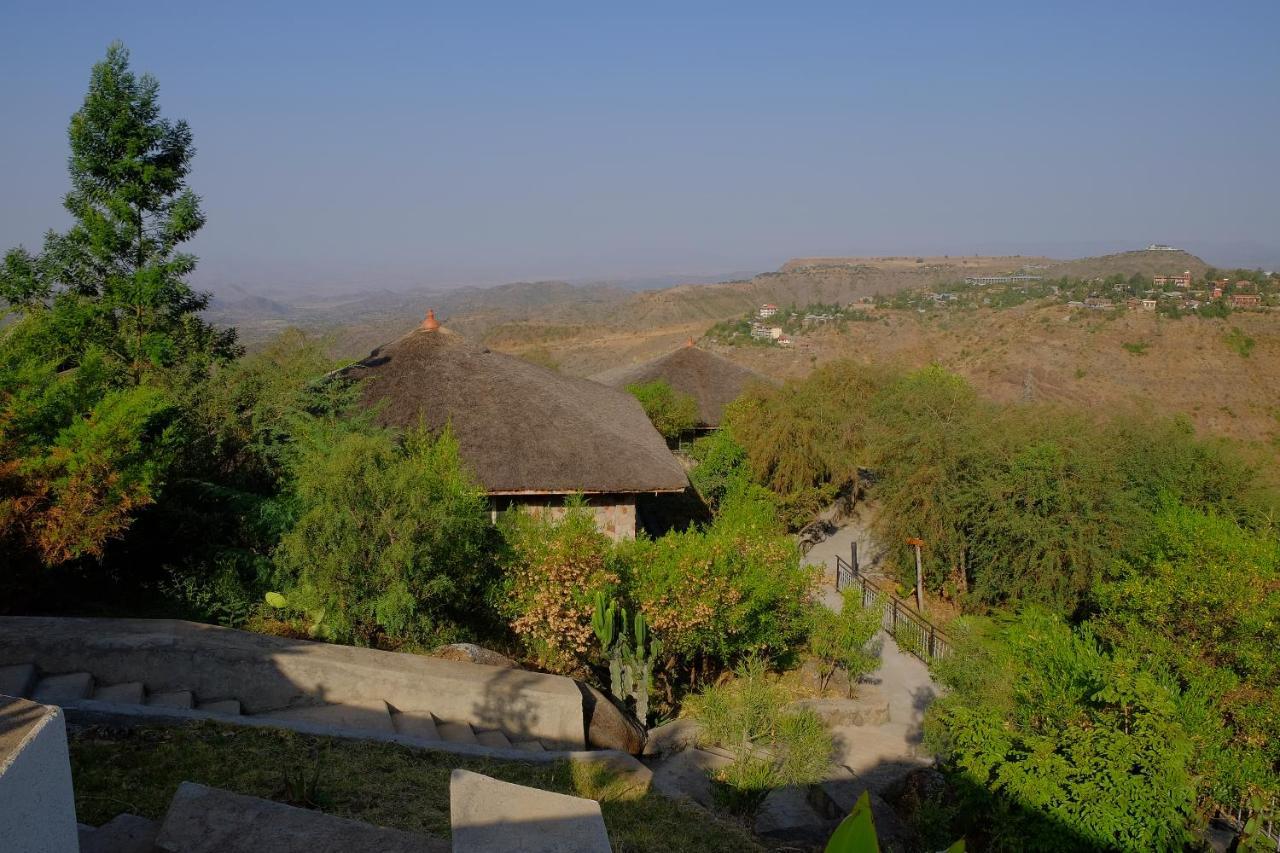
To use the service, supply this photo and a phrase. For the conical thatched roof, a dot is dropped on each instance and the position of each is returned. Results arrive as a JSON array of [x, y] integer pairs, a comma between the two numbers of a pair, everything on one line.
[[522, 429], [713, 382]]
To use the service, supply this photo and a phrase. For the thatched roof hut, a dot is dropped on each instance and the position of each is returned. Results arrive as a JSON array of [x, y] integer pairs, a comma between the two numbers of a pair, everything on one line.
[[712, 381], [522, 429]]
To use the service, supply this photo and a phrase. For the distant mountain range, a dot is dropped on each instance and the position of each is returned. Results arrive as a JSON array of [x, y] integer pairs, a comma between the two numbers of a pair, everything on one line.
[[359, 321]]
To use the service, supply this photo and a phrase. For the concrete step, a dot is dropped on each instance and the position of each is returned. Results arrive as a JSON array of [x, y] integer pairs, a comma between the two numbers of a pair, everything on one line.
[[17, 680], [230, 707], [207, 820], [493, 738], [58, 689], [173, 699], [491, 816], [129, 693], [529, 746], [457, 732], [124, 833], [339, 716], [415, 725]]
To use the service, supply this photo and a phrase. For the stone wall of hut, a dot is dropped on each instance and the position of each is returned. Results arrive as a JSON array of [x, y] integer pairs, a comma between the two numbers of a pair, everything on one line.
[[615, 515]]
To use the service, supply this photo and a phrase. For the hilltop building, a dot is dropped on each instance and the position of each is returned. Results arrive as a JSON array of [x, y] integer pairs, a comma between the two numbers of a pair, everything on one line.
[[531, 436], [712, 381], [1183, 281], [1160, 247], [1246, 300], [983, 280], [768, 310]]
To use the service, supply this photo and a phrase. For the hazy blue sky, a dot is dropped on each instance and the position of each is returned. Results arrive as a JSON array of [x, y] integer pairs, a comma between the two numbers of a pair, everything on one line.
[[444, 143]]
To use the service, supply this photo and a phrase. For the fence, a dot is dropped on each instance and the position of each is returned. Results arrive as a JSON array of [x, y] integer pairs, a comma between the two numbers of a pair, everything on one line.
[[913, 632], [1266, 832]]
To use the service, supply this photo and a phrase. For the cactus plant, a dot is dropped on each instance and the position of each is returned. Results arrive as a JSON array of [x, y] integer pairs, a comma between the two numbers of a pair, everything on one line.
[[630, 651]]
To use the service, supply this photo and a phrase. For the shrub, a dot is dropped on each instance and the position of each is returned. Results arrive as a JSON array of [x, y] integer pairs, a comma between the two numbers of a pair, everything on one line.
[[1241, 343], [736, 588], [1200, 607], [1057, 744], [391, 539], [555, 569], [772, 745], [722, 465], [806, 440], [840, 640], [672, 412]]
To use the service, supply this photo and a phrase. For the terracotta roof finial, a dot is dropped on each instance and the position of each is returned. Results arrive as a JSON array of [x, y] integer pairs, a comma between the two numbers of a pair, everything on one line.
[[430, 324]]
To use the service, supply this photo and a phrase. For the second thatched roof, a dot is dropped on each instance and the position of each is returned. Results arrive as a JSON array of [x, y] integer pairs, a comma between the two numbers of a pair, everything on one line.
[[713, 382], [522, 429]]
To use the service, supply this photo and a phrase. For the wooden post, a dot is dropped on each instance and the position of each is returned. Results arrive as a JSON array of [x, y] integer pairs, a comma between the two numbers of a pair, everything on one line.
[[853, 548], [916, 543]]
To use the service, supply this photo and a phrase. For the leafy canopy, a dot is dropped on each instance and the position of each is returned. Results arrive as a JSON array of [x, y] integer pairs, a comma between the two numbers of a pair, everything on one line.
[[672, 412]]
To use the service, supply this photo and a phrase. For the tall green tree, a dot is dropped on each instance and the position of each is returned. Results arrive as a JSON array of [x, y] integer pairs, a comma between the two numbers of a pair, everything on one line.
[[107, 344], [117, 277]]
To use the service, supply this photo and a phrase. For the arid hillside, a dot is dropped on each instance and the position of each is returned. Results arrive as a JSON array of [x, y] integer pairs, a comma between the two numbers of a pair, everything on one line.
[[1042, 350]]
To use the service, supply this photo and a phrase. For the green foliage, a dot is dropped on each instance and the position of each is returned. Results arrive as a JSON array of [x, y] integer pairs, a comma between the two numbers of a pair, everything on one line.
[[1200, 607], [716, 595], [1136, 347], [722, 466], [673, 413], [772, 745], [806, 440], [77, 459], [631, 654], [1060, 745], [841, 640], [1016, 502], [391, 540], [117, 274], [107, 341], [857, 832], [1238, 341]]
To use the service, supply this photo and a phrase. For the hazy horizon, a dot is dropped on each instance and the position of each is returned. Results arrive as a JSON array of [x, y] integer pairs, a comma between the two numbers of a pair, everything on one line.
[[437, 147]]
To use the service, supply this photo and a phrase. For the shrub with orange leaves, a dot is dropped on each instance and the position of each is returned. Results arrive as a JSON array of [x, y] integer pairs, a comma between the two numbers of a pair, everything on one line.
[[558, 563]]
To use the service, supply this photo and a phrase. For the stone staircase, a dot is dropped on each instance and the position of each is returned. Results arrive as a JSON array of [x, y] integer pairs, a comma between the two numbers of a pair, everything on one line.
[[74, 689]]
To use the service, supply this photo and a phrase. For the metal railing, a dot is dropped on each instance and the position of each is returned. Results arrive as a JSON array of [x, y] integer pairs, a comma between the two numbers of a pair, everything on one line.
[[912, 631]]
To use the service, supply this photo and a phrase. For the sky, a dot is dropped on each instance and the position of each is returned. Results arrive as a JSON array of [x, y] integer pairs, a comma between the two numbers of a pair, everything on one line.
[[431, 144]]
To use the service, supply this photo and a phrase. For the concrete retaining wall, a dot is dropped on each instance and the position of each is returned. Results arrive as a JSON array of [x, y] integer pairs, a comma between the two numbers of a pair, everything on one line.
[[270, 673], [37, 808]]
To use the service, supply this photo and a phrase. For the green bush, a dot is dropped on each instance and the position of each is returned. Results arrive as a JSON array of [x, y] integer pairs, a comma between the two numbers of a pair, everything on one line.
[[1057, 744], [1200, 608], [772, 744], [672, 412], [841, 640], [392, 542], [736, 588], [722, 465]]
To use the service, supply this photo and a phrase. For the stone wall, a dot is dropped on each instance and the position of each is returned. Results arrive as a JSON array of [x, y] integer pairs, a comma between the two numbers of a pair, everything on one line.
[[615, 515], [37, 807], [271, 673]]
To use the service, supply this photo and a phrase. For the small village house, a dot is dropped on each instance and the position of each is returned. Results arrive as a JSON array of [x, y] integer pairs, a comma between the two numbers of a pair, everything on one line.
[[531, 436], [1246, 300], [767, 310]]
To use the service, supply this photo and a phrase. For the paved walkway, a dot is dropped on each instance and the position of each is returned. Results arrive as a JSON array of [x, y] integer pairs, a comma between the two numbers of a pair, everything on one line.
[[878, 755]]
